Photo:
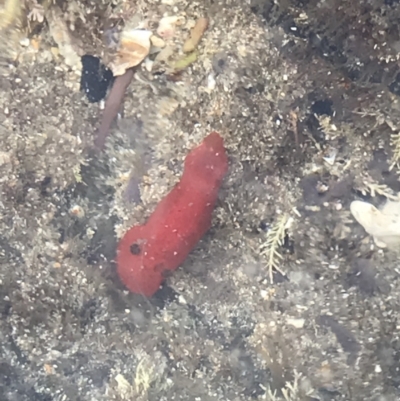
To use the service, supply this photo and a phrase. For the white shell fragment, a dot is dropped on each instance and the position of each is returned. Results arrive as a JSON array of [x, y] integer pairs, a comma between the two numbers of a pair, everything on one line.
[[383, 225], [134, 46]]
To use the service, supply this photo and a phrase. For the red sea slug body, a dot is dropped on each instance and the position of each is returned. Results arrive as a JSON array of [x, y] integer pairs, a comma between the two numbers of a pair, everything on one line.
[[147, 252]]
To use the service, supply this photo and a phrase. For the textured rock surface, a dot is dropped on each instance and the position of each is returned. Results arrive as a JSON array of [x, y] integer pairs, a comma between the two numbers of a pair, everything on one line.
[[288, 86]]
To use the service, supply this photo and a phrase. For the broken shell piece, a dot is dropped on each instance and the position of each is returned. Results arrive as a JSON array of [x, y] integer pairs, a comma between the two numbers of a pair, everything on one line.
[[195, 35], [383, 225], [166, 27], [134, 46]]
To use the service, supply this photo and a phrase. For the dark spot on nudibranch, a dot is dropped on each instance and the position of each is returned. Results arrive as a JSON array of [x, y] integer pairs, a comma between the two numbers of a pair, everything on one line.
[[135, 249]]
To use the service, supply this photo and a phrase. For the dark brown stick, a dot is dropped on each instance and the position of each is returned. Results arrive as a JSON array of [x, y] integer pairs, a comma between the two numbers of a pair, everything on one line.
[[113, 104]]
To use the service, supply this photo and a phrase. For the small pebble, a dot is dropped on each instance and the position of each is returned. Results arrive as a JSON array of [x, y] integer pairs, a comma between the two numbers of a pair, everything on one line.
[[90, 233], [298, 323], [24, 42], [211, 83], [157, 42]]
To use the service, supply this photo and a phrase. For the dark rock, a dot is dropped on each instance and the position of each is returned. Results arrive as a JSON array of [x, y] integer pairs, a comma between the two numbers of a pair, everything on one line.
[[96, 78]]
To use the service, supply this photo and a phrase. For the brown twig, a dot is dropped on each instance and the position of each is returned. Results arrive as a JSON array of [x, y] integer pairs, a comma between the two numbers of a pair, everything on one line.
[[293, 123], [113, 104]]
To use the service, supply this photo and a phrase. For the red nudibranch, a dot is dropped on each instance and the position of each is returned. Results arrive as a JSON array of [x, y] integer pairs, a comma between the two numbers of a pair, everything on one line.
[[146, 253]]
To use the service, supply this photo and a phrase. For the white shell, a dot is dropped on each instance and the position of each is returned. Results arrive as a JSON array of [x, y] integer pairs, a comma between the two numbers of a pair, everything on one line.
[[383, 225], [134, 46]]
